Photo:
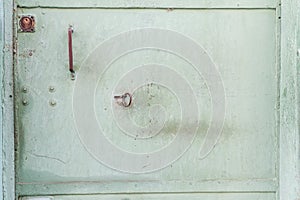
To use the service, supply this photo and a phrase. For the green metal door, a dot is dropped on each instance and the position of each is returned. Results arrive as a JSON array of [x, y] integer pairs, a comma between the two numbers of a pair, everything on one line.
[[169, 100]]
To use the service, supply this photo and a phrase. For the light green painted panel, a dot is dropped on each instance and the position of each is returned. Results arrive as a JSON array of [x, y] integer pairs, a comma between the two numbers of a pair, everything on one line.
[[151, 3], [7, 100], [1, 64], [104, 187], [51, 158], [289, 174], [225, 196]]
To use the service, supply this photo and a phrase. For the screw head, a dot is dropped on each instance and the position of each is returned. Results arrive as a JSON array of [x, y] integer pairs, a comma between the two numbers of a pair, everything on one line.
[[73, 76]]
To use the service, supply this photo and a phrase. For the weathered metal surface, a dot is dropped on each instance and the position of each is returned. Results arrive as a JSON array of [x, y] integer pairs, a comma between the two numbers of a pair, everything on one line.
[[85, 181], [289, 171], [225, 196], [1, 85], [150, 4], [7, 99], [104, 187], [51, 156], [38, 198], [289, 137], [289, 142]]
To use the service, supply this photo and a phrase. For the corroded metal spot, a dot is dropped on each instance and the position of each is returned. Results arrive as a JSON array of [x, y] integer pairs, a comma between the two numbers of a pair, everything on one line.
[[27, 23]]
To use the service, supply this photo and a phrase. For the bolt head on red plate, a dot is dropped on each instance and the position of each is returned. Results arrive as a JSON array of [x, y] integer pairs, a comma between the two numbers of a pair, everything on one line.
[[27, 23]]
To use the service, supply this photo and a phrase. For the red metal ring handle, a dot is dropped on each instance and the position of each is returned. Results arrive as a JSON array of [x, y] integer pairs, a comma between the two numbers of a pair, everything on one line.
[[124, 101], [123, 97]]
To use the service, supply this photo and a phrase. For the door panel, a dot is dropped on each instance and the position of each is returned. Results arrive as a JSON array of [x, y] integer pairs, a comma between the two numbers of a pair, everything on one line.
[[53, 158], [266, 4], [161, 196]]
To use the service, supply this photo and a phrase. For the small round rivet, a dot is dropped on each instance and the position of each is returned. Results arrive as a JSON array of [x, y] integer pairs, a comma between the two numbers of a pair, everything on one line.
[[52, 102], [25, 89], [25, 102], [51, 89]]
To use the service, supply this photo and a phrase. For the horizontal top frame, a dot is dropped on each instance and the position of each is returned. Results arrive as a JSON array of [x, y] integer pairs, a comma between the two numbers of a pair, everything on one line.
[[204, 4]]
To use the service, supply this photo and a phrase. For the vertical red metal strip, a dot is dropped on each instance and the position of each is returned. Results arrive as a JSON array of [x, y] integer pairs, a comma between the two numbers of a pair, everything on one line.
[[70, 32]]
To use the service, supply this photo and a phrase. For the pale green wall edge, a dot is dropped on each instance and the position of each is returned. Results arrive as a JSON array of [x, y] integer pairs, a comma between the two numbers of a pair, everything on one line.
[[8, 173], [1, 61], [289, 172], [289, 181]]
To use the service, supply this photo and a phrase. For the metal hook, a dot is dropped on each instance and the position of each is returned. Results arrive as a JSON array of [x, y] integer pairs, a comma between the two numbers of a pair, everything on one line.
[[123, 99]]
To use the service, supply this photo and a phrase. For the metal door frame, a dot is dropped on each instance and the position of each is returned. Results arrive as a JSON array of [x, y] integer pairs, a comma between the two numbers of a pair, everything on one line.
[[289, 140], [288, 43], [7, 97]]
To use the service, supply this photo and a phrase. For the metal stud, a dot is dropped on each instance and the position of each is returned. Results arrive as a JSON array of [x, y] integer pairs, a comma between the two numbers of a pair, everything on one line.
[[52, 102], [24, 102], [27, 23], [51, 89], [25, 89]]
